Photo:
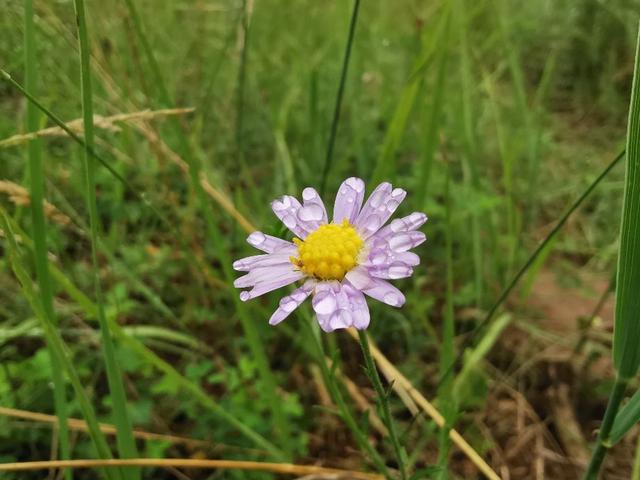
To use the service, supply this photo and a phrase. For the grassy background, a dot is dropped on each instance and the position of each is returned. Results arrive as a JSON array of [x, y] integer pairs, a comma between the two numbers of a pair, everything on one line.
[[494, 115]]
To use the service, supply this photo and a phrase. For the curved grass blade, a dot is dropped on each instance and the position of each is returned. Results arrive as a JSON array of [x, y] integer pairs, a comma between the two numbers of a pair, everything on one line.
[[124, 435], [39, 230], [626, 419]]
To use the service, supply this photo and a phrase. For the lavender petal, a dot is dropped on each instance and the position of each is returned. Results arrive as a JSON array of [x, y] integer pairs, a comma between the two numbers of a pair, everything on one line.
[[348, 200]]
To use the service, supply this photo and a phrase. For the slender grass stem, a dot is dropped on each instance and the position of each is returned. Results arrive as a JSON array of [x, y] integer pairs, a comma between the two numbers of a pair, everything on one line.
[[124, 437], [336, 112], [604, 440], [445, 391], [530, 261], [39, 230], [383, 401]]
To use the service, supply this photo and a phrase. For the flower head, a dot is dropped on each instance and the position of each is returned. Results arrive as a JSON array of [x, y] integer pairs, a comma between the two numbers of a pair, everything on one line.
[[340, 261]]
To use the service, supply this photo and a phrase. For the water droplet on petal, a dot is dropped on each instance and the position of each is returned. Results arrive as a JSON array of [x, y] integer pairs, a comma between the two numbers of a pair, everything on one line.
[[355, 183], [400, 243], [391, 298], [373, 223], [310, 213], [288, 304], [325, 305], [377, 198], [256, 238], [392, 205], [289, 221], [244, 296]]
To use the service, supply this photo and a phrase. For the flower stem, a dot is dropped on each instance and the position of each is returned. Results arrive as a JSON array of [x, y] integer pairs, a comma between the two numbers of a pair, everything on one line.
[[383, 401], [604, 442], [329, 378]]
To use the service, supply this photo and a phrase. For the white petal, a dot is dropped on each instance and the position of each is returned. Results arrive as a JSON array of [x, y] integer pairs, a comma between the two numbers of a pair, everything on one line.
[[289, 303], [267, 286], [378, 209], [257, 261], [348, 200], [269, 244]]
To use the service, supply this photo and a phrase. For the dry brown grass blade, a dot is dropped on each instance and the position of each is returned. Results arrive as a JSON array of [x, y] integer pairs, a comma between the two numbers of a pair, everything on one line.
[[81, 425], [105, 123], [20, 196], [281, 468]]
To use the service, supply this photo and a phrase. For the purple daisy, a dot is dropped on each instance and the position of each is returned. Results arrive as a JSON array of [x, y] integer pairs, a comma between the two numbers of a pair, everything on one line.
[[340, 261]]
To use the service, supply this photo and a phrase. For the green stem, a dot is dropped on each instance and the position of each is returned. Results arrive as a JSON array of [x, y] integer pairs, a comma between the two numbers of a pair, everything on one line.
[[336, 112], [39, 231], [604, 441], [635, 473], [383, 401], [124, 437], [328, 375]]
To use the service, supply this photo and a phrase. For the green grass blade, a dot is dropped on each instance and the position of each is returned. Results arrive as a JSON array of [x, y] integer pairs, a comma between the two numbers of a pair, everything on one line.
[[626, 419], [626, 330], [336, 112], [59, 350], [445, 392], [39, 230], [124, 435], [626, 335]]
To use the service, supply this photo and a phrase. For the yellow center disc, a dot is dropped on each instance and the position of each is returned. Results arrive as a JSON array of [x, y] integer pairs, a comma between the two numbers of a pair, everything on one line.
[[329, 252]]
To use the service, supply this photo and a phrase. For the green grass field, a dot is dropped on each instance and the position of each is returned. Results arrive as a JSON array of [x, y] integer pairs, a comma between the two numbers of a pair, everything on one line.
[[183, 120]]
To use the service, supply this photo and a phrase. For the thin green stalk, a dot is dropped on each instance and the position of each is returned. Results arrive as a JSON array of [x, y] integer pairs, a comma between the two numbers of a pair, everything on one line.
[[336, 112], [58, 348], [39, 231], [445, 390], [328, 375], [635, 473], [124, 436], [604, 439], [383, 401], [530, 261]]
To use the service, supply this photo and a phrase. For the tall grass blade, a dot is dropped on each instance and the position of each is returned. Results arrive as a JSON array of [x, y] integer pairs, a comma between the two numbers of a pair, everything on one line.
[[39, 230], [445, 389], [627, 418], [338, 106], [124, 436], [626, 330], [59, 350], [626, 335]]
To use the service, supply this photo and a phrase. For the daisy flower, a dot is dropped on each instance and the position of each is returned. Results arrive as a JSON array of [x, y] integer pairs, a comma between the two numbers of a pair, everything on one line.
[[339, 262]]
